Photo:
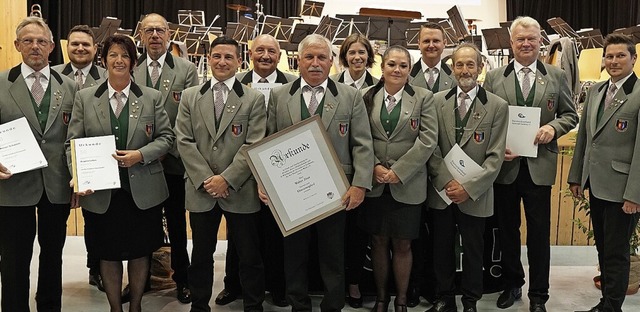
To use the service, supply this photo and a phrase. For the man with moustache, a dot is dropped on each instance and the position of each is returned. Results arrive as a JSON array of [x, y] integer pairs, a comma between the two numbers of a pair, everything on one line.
[[607, 161], [476, 120], [159, 69], [345, 118], [215, 120], [265, 55], [529, 82], [81, 50], [45, 98]]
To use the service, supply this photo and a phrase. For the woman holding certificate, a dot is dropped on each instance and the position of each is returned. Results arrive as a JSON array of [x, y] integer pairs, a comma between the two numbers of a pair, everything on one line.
[[124, 223], [404, 130]]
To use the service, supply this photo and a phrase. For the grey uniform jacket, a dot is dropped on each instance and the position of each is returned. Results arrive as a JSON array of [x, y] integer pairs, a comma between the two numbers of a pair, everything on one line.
[[553, 96], [149, 132], [483, 140], [26, 189], [207, 151], [345, 120], [446, 82], [96, 76], [281, 77], [608, 153]]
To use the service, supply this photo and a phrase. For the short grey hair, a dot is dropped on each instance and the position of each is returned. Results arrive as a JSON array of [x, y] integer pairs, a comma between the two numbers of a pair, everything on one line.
[[467, 45], [34, 20], [315, 39], [524, 21]]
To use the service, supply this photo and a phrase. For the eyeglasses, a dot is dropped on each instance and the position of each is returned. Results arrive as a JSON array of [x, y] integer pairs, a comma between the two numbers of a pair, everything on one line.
[[159, 30], [40, 42]]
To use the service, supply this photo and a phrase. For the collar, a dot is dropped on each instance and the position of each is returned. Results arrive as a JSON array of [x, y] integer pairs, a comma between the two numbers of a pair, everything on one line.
[[160, 60], [517, 67], [398, 94], [85, 70], [425, 66], [348, 80], [229, 82], [472, 93], [323, 84], [620, 82], [26, 71], [271, 78], [125, 91]]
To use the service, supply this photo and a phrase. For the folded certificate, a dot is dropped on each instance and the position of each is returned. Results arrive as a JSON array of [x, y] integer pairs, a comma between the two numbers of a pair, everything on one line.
[[93, 166], [461, 167], [265, 88], [19, 151], [524, 123]]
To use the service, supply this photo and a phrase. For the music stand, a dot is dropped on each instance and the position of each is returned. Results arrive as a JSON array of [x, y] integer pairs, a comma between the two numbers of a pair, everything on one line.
[[122, 31], [413, 35], [449, 34], [194, 46], [191, 17], [231, 29], [136, 32], [108, 27], [351, 24], [312, 8], [545, 38], [179, 31], [457, 21], [244, 31], [392, 30], [328, 27], [476, 40], [301, 31], [279, 28], [562, 28], [506, 24], [633, 32], [590, 39]]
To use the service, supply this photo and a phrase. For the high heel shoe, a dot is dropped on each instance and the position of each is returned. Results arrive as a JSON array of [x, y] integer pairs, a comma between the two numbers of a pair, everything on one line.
[[382, 304], [355, 303]]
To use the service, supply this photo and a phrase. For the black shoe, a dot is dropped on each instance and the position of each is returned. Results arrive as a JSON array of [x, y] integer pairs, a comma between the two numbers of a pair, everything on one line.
[[225, 297], [96, 280], [355, 303], [279, 300], [537, 307], [383, 304], [183, 293], [508, 297], [470, 309], [443, 306], [597, 308], [413, 297]]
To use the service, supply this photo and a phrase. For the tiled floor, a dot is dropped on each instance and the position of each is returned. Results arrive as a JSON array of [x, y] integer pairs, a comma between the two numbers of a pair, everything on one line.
[[571, 286]]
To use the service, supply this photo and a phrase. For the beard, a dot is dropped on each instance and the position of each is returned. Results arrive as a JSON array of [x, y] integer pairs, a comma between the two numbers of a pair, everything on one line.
[[467, 82]]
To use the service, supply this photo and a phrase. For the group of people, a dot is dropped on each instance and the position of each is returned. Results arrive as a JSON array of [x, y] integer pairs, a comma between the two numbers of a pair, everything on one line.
[[179, 148]]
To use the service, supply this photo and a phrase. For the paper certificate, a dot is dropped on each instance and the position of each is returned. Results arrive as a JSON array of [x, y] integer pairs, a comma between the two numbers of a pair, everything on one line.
[[19, 151], [93, 166], [298, 169], [265, 88], [461, 167], [524, 123]]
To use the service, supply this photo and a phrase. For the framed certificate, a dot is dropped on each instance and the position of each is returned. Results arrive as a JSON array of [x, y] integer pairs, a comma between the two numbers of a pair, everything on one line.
[[300, 172]]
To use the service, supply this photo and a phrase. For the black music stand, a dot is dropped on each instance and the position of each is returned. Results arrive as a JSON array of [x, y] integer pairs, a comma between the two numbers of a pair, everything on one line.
[[497, 40], [506, 24], [108, 27], [633, 32], [458, 22], [191, 17], [450, 37], [279, 28], [545, 38], [312, 8], [301, 31], [328, 27], [195, 46], [178, 32], [476, 40], [123, 31], [562, 28], [590, 39], [392, 30], [231, 29], [244, 31], [413, 35], [351, 24], [136, 32]]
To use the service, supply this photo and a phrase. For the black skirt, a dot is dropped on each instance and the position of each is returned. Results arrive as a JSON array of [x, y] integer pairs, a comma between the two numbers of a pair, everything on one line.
[[124, 232], [385, 216]]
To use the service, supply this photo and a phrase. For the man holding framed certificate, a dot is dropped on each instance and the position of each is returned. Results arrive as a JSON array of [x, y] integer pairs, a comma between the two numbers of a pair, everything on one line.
[[347, 124]]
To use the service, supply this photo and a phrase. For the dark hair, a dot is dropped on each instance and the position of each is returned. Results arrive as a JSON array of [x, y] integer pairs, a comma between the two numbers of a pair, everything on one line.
[[431, 25], [83, 29], [356, 38], [620, 39], [368, 96], [226, 40], [124, 42]]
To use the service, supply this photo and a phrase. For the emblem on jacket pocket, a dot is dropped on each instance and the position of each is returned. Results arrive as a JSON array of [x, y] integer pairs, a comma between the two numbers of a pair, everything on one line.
[[236, 130], [343, 128], [622, 125], [478, 136], [414, 124], [66, 117], [551, 104], [177, 96], [148, 129]]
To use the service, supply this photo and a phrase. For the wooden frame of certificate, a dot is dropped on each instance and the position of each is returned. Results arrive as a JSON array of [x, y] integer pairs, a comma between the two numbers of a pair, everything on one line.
[[299, 170]]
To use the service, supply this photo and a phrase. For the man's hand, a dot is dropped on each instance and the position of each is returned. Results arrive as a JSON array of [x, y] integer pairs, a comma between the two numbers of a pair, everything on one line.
[[379, 172], [545, 134], [4, 172], [576, 191], [456, 192], [508, 156], [391, 177], [263, 196], [353, 198], [216, 186], [630, 207]]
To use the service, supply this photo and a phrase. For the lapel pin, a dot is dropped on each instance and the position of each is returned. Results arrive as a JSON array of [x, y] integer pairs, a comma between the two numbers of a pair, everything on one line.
[[476, 115]]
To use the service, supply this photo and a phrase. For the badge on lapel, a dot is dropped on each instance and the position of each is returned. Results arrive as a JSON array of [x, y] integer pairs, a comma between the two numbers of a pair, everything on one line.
[[622, 125], [148, 129], [66, 117], [478, 137], [236, 130], [343, 128], [551, 104], [177, 96], [414, 124]]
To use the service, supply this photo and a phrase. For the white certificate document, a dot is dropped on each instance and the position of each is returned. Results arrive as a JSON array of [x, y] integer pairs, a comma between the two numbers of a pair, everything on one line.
[[94, 167], [19, 151], [296, 164], [265, 88], [461, 167], [524, 123]]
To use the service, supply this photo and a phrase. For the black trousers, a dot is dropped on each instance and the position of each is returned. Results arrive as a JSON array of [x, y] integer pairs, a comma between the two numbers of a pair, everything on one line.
[[174, 212], [243, 228], [445, 224], [537, 210], [355, 248], [331, 259], [612, 229], [17, 234]]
